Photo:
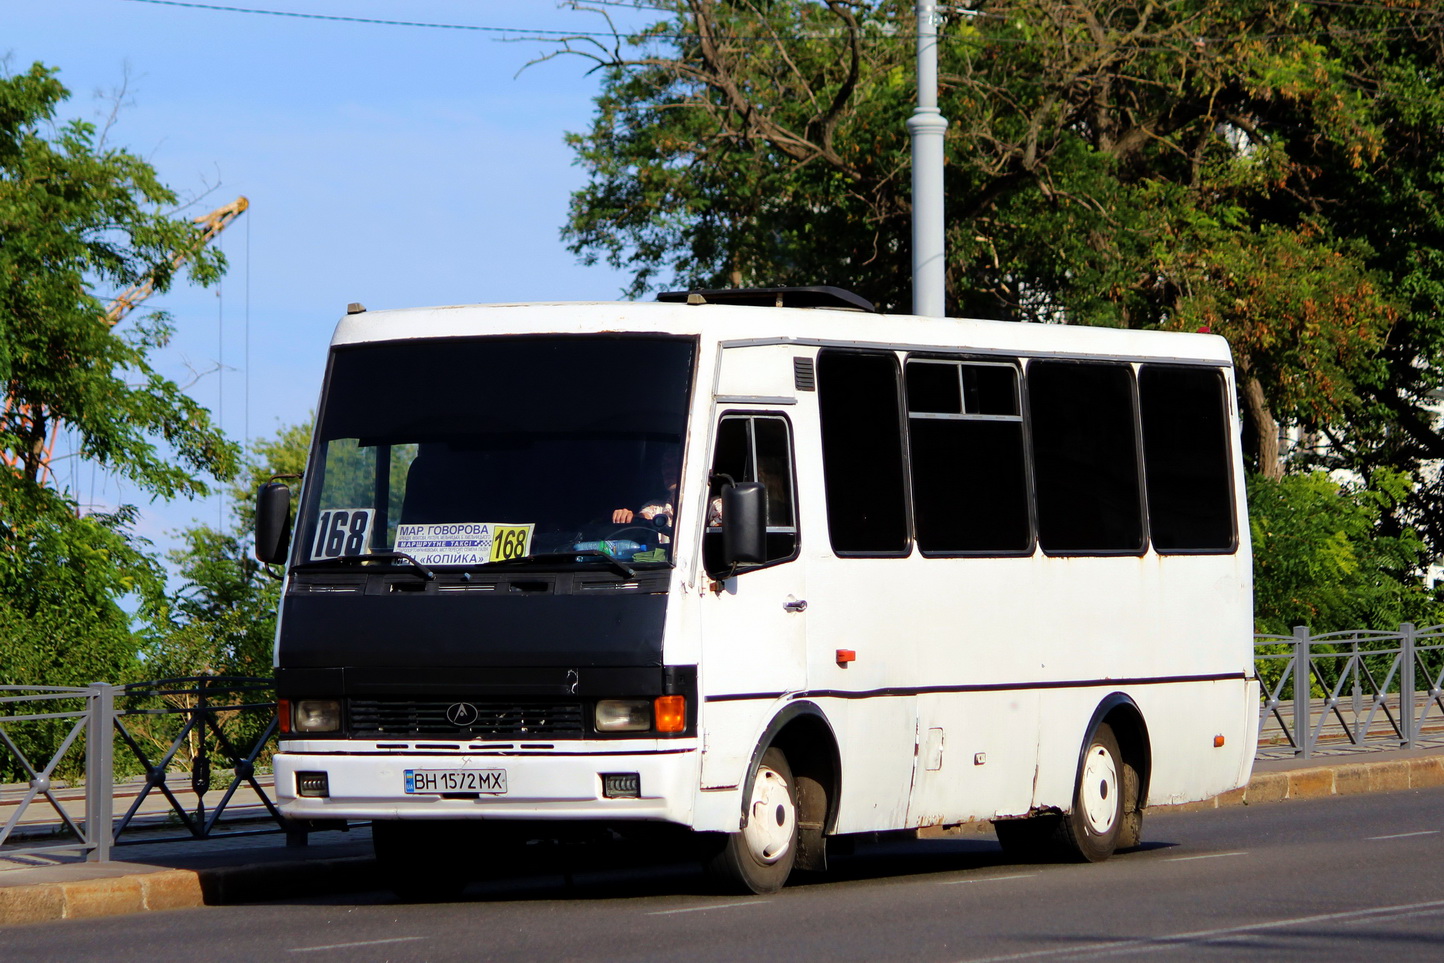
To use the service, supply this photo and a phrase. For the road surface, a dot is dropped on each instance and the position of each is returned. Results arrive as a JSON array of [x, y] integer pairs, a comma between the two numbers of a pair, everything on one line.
[[1345, 878]]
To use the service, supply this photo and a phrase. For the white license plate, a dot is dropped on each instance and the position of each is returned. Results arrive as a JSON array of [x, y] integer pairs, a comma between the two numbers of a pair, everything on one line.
[[490, 781]]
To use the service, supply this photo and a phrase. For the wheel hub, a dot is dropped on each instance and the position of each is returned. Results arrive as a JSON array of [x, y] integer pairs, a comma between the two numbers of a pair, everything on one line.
[[1099, 794], [771, 819]]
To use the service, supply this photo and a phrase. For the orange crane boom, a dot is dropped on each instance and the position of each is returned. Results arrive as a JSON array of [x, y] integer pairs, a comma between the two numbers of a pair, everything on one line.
[[214, 223]]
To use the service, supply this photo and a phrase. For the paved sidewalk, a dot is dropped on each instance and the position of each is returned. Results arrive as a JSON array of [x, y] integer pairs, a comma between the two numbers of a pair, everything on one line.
[[240, 869]]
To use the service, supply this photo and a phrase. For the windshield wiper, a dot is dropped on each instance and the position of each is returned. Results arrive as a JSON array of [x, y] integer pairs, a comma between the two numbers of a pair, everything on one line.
[[416, 567], [616, 564]]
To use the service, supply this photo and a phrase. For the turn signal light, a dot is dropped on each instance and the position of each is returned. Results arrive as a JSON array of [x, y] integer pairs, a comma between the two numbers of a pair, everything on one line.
[[669, 713]]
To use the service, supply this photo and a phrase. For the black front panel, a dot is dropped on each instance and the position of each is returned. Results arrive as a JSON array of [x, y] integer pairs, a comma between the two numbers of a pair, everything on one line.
[[403, 718], [428, 630], [502, 703]]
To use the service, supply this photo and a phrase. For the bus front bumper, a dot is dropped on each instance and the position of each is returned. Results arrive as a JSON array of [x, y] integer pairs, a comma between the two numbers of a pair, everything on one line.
[[575, 785]]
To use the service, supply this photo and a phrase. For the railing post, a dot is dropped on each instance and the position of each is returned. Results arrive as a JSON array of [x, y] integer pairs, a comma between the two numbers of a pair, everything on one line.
[[99, 771], [1303, 683], [1356, 692], [1406, 685]]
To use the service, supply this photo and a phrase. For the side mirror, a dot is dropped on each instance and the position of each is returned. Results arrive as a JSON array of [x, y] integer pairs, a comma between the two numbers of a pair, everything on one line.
[[273, 522], [744, 523]]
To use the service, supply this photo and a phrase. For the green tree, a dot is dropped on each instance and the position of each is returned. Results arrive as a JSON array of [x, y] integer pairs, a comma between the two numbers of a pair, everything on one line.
[[1320, 560], [1270, 172], [223, 618], [77, 217], [61, 582], [1159, 163]]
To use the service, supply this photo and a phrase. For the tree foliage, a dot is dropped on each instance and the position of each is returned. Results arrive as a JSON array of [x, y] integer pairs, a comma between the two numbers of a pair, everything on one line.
[[78, 217], [1272, 172], [223, 617], [1269, 171], [62, 578], [1321, 561]]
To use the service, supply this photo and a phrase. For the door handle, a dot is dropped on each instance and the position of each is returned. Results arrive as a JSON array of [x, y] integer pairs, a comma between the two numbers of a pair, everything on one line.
[[796, 605]]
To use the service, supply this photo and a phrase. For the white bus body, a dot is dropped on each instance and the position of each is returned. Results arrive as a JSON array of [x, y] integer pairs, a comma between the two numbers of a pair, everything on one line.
[[930, 639]]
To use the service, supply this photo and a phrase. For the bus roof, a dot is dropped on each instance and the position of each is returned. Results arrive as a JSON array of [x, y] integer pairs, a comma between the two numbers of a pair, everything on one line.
[[746, 324]]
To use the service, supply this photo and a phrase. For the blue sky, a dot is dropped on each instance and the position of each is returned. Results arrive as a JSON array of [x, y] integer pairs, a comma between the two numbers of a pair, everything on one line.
[[389, 165]]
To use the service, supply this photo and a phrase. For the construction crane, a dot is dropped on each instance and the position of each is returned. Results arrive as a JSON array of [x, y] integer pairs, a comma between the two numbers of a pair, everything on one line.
[[20, 414]]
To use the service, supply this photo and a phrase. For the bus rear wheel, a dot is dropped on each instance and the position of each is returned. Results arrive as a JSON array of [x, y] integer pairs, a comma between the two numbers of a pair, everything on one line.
[[759, 857], [1091, 831]]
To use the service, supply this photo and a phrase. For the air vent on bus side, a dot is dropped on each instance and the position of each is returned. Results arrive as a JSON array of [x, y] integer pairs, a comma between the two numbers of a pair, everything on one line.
[[804, 376]]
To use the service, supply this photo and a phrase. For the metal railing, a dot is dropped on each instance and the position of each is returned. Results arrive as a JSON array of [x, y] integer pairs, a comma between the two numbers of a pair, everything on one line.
[[197, 727], [1357, 690], [1335, 692], [33, 716]]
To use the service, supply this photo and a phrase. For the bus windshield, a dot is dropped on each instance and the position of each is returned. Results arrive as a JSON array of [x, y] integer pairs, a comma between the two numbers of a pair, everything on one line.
[[474, 451]]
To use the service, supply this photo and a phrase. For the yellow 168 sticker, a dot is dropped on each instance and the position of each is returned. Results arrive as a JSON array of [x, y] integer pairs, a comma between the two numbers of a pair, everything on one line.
[[510, 541]]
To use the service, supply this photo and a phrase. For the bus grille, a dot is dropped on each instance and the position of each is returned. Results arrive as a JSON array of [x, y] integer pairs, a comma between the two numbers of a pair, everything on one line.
[[407, 717]]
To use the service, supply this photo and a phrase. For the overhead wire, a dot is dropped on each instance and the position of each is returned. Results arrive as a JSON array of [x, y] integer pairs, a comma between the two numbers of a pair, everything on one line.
[[367, 20], [876, 34]]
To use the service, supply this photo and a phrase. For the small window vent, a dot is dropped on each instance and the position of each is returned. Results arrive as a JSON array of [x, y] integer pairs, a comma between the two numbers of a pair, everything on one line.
[[804, 376]]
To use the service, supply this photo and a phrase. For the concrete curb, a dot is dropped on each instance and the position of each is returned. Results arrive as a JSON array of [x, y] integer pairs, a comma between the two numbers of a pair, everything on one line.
[[1333, 779], [168, 889], [109, 896]]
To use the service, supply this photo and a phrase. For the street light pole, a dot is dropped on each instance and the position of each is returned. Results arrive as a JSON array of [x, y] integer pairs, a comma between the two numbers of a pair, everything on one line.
[[926, 127]]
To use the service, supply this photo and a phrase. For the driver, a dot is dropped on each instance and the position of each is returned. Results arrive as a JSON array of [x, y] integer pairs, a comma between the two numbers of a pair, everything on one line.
[[661, 505]]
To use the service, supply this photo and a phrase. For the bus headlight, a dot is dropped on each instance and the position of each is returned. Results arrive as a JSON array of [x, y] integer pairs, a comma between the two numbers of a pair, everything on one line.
[[316, 715], [624, 715]]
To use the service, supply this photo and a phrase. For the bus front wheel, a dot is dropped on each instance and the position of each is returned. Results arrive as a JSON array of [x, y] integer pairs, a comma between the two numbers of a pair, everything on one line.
[[1091, 831], [759, 857]]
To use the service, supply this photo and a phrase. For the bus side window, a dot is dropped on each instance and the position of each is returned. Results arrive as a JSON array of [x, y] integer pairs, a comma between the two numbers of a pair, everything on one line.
[[863, 474], [753, 448], [1085, 457], [1186, 459], [966, 455]]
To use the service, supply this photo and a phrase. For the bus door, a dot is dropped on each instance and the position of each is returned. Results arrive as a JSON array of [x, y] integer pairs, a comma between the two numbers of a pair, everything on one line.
[[753, 621]]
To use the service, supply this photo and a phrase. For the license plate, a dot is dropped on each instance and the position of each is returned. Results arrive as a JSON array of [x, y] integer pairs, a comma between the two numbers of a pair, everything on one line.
[[490, 781]]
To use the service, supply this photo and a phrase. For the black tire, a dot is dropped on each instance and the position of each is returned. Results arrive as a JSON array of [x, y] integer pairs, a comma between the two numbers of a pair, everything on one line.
[[1091, 830], [1130, 834], [759, 858], [419, 860]]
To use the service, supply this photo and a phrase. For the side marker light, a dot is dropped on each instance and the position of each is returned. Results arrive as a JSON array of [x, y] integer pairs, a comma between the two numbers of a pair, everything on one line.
[[1218, 742], [844, 656]]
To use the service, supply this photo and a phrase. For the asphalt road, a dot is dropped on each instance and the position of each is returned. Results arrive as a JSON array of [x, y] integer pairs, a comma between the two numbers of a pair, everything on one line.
[[1346, 878]]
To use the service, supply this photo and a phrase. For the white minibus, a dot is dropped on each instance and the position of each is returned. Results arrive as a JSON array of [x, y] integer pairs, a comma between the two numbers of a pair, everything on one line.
[[764, 566]]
